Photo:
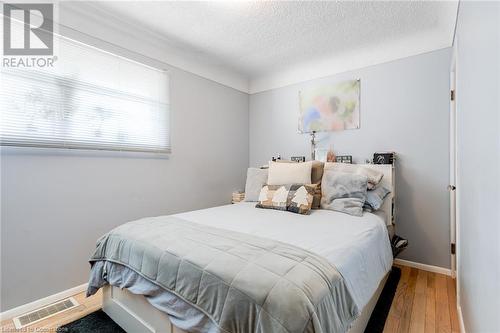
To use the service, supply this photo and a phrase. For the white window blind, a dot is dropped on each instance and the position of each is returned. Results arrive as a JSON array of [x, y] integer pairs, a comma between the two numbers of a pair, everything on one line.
[[90, 99]]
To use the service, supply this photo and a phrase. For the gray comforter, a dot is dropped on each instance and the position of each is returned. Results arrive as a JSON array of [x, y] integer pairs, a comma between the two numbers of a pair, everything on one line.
[[241, 282]]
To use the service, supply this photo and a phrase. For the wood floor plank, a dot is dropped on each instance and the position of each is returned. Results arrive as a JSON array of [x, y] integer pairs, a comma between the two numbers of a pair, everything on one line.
[[405, 273], [404, 324], [399, 298], [430, 305], [442, 307], [417, 322], [421, 284], [452, 302], [391, 324]]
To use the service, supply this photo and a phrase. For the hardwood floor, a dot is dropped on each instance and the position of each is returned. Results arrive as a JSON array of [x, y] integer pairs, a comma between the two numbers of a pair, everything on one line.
[[424, 302]]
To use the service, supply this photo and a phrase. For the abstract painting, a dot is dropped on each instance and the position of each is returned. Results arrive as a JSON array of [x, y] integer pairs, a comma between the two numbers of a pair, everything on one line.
[[332, 107]]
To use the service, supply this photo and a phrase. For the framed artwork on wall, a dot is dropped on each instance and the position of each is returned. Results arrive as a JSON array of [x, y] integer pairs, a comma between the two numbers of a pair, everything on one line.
[[333, 107]]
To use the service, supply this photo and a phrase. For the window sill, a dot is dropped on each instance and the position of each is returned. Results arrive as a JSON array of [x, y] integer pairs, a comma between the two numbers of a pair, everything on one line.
[[50, 151]]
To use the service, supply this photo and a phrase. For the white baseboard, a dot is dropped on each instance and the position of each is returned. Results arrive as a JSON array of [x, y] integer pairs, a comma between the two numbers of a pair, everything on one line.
[[460, 319], [424, 267], [42, 302]]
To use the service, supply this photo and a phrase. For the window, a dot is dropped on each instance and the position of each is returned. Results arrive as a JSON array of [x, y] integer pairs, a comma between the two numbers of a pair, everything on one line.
[[90, 99]]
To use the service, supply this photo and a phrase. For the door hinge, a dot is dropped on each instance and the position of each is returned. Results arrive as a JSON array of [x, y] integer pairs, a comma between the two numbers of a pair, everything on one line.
[[453, 250], [452, 95]]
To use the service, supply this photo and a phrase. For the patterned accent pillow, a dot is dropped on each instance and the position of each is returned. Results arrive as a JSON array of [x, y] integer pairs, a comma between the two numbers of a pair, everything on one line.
[[296, 198]]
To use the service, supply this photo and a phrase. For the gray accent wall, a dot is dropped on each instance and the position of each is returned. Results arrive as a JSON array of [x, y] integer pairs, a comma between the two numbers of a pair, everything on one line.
[[57, 203], [404, 108], [478, 150]]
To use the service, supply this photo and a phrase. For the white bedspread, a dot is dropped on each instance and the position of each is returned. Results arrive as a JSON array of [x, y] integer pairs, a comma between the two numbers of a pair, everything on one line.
[[358, 246]]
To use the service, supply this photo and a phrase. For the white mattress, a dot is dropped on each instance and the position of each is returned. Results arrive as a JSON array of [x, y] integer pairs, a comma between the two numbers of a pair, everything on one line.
[[358, 246]]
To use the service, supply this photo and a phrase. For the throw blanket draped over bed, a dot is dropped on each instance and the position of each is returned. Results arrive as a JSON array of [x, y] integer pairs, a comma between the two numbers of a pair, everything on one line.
[[241, 282]]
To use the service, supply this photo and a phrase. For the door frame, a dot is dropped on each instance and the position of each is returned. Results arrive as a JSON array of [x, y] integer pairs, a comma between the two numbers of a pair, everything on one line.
[[454, 169]]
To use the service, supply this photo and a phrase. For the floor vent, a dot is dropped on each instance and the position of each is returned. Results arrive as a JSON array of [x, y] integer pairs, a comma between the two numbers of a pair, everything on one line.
[[45, 312]]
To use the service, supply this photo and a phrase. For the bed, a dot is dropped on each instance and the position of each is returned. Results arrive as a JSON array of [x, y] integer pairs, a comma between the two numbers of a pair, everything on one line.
[[358, 247]]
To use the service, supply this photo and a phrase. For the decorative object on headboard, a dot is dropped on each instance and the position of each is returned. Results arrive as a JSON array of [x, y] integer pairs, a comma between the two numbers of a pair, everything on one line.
[[344, 159], [384, 158], [298, 158], [320, 154], [313, 145], [274, 159], [333, 107], [330, 155]]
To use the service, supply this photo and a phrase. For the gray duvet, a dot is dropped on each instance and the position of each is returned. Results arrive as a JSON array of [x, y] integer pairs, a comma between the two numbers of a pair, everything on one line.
[[241, 282]]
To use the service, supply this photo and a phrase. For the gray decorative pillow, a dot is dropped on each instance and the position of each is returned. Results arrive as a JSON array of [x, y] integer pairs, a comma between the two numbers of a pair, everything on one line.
[[375, 198], [256, 178], [343, 192]]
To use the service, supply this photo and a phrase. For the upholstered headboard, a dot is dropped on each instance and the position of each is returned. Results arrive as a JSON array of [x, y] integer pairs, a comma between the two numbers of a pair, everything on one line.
[[388, 181]]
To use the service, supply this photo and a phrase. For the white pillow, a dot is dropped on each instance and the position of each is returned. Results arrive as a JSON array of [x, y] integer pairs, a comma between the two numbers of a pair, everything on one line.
[[289, 173]]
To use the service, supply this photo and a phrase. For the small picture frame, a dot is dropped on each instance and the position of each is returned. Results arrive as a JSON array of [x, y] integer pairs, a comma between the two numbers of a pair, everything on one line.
[[343, 159], [384, 158], [298, 159]]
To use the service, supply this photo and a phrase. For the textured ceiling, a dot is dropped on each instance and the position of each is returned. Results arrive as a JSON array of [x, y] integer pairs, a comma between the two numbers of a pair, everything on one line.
[[261, 38]]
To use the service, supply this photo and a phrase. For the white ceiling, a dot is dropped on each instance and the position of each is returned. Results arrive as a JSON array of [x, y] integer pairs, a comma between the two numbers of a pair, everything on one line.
[[275, 43]]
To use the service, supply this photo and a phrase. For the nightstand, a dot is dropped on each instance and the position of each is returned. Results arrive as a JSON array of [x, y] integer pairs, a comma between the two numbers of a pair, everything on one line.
[[238, 197]]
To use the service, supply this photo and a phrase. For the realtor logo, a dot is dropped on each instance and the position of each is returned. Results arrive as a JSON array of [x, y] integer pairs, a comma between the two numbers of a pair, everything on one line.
[[28, 29]]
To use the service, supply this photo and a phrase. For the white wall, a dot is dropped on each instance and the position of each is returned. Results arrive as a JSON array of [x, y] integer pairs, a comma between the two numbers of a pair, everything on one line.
[[404, 108], [478, 108], [55, 204]]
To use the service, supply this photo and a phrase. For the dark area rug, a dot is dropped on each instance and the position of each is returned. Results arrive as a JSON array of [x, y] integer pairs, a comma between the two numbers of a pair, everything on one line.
[[379, 315], [100, 322]]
